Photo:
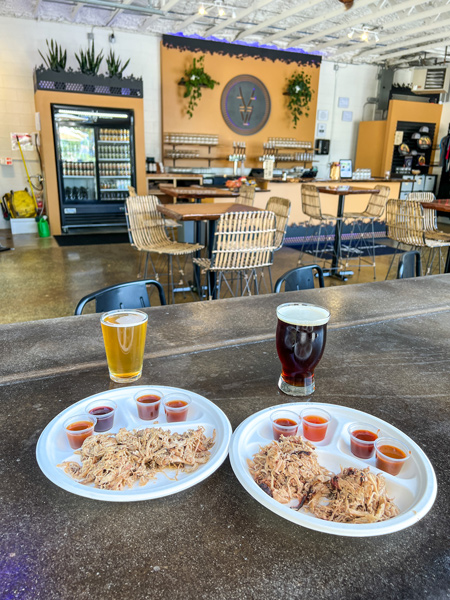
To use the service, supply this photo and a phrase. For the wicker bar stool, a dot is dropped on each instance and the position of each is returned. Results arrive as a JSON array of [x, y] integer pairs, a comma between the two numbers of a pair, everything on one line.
[[147, 234], [246, 195], [281, 207], [364, 222], [430, 214], [311, 208], [406, 224], [243, 243]]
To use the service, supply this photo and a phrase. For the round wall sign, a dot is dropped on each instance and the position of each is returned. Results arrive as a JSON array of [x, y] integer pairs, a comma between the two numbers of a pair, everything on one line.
[[245, 104]]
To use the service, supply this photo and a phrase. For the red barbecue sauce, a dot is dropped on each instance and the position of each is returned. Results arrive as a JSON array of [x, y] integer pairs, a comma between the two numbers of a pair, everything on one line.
[[362, 450], [277, 431], [148, 407], [176, 415]]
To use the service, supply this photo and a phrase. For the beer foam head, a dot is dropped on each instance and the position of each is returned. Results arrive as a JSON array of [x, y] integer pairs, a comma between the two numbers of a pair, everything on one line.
[[299, 313], [124, 318]]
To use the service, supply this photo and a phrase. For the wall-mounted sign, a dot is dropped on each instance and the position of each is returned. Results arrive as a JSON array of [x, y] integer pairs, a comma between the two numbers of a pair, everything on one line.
[[245, 104], [321, 129], [322, 115], [347, 115], [343, 103], [398, 139], [25, 139]]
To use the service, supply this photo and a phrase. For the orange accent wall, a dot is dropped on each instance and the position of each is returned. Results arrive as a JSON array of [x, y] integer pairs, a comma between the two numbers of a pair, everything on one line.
[[43, 101], [370, 149], [207, 116], [400, 110]]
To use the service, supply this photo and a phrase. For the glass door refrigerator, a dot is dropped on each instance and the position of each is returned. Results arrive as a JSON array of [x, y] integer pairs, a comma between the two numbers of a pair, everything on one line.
[[95, 164]]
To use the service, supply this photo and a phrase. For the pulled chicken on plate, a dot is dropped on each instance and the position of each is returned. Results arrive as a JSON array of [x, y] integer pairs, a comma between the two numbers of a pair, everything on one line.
[[116, 461], [288, 470]]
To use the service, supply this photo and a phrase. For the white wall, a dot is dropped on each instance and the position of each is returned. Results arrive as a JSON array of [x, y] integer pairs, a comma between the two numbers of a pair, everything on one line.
[[20, 41], [357, 83]]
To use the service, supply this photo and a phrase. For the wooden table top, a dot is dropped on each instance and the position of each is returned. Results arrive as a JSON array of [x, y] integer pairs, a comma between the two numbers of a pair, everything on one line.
[[345, 190], [202, 212], [442, 205], [196, 192]]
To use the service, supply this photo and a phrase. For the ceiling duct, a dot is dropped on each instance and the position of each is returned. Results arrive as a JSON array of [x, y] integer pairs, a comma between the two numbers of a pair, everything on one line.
[[431, 81]]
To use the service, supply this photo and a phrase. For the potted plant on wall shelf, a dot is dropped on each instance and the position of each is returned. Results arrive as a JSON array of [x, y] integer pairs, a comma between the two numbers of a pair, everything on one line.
[[300, 93], [56, 59], [114, 64], [195, 79], [89, 63]]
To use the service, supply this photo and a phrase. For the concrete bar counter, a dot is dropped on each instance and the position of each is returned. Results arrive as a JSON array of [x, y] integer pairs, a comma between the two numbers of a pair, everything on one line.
[[386, 354]]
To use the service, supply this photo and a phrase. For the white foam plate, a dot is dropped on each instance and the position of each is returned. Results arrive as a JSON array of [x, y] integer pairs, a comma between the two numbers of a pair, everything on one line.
[[53, 447], [413, 489]]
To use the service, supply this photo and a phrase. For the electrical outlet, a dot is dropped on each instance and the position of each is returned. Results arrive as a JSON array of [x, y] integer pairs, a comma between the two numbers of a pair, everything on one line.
[[90, 36]]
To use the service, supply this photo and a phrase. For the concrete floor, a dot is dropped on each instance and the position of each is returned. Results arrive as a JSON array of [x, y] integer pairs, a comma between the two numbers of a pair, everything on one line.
[[40, 280]]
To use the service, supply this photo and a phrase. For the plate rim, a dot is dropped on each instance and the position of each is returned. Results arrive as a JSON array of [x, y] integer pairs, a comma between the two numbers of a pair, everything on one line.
[[410, 517], [71, 485]]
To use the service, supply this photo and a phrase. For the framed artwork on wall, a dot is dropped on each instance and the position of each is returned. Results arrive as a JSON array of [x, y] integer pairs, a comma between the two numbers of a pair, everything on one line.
[[245, 104]]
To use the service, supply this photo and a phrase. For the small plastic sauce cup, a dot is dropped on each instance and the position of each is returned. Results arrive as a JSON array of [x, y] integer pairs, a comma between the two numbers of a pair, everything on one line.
[[284, 422], [148, 402], [78, 428], [176, 406], [103, 411], [362, 439], [391, 455], [315, 423]]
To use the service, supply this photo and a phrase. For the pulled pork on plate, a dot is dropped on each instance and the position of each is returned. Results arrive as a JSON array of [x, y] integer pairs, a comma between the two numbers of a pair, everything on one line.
[[116, 461], [288, 470]]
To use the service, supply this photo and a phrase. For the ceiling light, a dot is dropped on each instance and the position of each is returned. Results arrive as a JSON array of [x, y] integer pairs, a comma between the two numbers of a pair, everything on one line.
[[365, 36], [221, 12], [202, 10], [233, 14], [351, 34]]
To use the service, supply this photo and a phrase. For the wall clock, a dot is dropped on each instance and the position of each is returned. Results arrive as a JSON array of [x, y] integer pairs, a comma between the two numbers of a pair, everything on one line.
[[245, 104]]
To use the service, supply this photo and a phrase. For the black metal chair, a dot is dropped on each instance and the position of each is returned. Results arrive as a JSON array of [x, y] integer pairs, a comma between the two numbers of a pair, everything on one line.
[[410, 265], [133, 294], [300, 278]]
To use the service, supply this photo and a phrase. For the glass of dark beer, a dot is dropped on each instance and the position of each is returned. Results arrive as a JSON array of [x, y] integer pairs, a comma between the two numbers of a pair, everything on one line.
[[301, 336]]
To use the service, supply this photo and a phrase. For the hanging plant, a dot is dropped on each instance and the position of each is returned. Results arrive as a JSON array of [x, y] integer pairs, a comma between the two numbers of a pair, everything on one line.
[[88, 61], [195, 79], [300, 94], [114, 64], [56, 59]]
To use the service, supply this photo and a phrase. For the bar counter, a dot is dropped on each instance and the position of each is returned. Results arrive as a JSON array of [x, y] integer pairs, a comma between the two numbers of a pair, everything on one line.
[[386, 354]]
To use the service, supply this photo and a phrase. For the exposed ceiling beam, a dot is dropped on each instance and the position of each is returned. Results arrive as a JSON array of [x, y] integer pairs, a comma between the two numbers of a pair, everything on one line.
[[75, 10], [278, 17], [164, 9], [36, 8], [143, 10], [239, 16], [310, 22], [387, 38], [412, 41], [360, 20], [189, 20], [414, 50]]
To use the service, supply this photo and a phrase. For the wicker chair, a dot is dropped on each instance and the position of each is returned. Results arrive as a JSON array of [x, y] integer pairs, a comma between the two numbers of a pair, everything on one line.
[[246, 195], [243, 243], [405, 220], [364, 222], [147, 234], [281, 207], [430, 214], [311, 207]]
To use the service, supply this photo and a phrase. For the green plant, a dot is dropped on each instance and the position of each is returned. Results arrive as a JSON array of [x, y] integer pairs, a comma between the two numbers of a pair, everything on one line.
[[56, 59], [89, 63], [115, 67], [300, 94], [195, 79]]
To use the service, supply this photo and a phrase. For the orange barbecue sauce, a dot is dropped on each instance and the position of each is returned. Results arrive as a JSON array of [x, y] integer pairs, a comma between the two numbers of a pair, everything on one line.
[[386, 465], [76, 441], [314, 433], [174, 416]]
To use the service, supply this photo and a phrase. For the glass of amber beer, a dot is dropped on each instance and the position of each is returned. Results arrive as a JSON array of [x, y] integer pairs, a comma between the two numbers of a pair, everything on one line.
[[301, 336], [124, 334]]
